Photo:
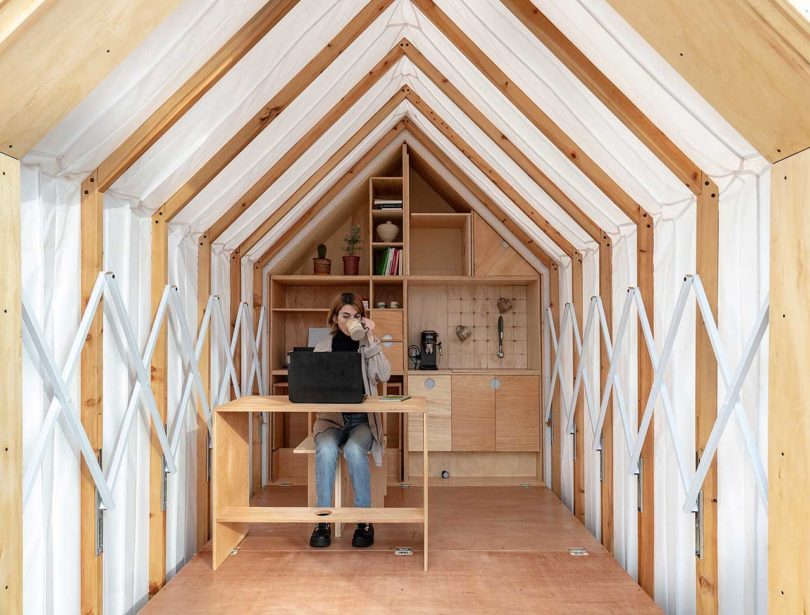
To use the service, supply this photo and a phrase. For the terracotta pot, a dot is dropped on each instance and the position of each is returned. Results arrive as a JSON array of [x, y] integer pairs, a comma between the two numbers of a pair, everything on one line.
[[351, 265], [321, 266]]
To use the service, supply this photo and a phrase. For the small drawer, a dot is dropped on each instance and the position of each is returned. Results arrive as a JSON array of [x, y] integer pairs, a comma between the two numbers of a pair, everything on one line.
[[387, 324], [393, 352]]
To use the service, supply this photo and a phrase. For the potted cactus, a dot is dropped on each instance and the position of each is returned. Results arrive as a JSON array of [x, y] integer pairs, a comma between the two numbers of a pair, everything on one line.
[[321, 265], [351, 261]]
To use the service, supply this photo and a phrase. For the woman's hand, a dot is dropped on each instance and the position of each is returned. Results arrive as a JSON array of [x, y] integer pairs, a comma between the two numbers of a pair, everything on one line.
[[368, 324]]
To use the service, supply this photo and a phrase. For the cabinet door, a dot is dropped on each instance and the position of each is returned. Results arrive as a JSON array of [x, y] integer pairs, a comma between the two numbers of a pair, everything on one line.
[[517, 413], [437, 391], [388, 324], [393, 352], [473, 413]]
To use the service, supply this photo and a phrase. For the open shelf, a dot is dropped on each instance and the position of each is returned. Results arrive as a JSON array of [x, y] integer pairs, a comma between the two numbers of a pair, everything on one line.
[[439, 220], [326, 280], [387, 214]]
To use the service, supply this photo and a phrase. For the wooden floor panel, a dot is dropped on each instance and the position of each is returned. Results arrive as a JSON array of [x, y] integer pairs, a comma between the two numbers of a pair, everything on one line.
[[491, 549]]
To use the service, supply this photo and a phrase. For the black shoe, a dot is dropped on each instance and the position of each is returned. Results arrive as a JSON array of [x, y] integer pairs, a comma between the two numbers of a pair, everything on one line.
[[321, 536], [363, 535]]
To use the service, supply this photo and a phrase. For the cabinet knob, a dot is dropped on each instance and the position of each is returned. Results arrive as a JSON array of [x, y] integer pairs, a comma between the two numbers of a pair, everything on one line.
[[495, 384], [387, 340], [429, 383]]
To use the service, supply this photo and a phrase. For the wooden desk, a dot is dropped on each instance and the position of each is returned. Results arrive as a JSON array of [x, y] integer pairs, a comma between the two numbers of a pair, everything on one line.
[[231, 494]]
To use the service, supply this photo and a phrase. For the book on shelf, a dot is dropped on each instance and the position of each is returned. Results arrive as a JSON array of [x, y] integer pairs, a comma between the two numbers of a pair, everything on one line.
[[387, 203], [389, 262]]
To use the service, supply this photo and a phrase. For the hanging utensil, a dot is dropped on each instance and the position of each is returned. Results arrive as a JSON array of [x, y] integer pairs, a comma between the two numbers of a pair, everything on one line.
[[500, 337]]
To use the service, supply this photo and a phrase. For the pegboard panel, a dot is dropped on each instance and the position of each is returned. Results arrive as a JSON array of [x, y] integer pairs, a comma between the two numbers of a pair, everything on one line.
[[476, 307]]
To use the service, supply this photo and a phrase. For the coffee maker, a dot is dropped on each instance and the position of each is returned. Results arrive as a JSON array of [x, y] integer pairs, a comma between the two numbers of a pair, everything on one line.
[[426, 356]]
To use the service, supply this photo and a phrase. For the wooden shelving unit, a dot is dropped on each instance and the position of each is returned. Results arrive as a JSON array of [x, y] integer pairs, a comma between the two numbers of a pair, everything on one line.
[[492, 436]]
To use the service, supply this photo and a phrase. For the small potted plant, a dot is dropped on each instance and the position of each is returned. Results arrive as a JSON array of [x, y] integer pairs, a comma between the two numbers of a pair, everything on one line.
[[351, 261], [321, 265]]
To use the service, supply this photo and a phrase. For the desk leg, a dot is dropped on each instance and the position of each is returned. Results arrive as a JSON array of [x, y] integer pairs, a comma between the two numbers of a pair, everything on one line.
[[425, 483], [230, 480]]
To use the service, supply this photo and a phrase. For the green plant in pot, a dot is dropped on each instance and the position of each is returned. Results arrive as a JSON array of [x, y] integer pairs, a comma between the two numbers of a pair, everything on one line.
[[321, 265], [351, 261]]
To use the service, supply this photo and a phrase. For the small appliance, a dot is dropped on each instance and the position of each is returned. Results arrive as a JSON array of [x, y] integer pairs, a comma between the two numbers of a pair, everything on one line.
[[427, 355]]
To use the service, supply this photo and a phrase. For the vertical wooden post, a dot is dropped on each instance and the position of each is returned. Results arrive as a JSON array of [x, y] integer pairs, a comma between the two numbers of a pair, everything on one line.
[[646, 518], [11, 454], [708, 238], [157, 514], [579, 406], [256, 444], [789, 388], [92, 385], [556, 402], [203, 483], [606, 294]]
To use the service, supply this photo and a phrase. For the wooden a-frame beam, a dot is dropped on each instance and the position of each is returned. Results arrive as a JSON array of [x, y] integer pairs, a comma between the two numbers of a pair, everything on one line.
[[327, 197], [92, 393], [576, 272], [160, 273], [750, 59], [59, 55], [328, 120], [334, 48], [789, 388], [605, 284], [496, 178], [707, 193], [645, 243], [340, 154], [167, 115], [687, 172], [11, 411]]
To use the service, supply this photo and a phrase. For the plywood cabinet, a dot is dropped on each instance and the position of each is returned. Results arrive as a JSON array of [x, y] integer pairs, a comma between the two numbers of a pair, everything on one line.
[[517, 413], [437, 389], [473, 413], [495, 413]]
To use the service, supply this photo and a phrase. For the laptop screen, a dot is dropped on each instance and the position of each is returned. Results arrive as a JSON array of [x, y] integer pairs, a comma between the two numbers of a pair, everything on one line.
[[326, 377]]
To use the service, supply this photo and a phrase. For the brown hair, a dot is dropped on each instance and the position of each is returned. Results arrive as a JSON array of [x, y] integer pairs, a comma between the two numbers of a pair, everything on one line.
[[344, 299]]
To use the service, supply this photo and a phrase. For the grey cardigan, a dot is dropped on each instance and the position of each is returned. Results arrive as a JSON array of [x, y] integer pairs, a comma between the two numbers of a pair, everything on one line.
[[376, 369]]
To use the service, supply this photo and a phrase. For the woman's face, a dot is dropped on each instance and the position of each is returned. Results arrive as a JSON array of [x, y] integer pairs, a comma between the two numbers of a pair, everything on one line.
[[345, 314]]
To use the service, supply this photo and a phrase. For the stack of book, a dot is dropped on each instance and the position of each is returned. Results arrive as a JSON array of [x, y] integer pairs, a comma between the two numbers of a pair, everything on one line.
[[390, 262], [383, 203]]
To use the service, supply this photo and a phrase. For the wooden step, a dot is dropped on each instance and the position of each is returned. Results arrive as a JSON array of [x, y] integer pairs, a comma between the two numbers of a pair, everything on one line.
[[304, 514]]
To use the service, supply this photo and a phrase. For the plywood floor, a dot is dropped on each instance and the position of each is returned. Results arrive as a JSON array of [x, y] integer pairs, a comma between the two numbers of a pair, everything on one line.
[[492, 549]]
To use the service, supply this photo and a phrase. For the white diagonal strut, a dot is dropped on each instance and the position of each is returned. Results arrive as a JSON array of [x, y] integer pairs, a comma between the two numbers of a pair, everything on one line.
[[192, 356], [55, 407], [71, 420], [120, 445], [556, 370], [729, 403], [135, 358]]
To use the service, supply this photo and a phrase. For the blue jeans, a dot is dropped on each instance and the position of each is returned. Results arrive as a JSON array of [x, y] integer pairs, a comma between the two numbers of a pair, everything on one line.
[[356, 439]]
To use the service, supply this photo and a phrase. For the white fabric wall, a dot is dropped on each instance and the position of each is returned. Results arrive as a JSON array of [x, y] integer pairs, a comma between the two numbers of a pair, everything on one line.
[[674, 530], [50, 226], [742, 520], [126, 528], [50, 281]]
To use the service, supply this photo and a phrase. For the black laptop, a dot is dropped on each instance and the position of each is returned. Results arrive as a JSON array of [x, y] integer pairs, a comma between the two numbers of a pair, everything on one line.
[[325, 377]]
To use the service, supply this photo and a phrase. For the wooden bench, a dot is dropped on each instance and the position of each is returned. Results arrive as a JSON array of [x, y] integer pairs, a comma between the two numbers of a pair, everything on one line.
[[230, 492], [343, 485]]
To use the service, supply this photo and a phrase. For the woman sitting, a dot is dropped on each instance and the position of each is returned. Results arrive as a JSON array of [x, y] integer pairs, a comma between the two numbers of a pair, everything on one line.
[[357, 432]]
